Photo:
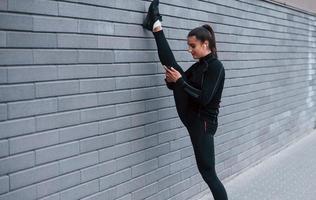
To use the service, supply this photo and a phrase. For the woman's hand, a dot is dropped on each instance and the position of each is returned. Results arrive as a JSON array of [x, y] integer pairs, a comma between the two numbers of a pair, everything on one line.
[[172, 75]]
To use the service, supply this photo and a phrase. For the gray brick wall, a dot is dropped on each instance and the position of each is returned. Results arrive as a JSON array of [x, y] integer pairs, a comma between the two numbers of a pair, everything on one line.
[[85, 112]]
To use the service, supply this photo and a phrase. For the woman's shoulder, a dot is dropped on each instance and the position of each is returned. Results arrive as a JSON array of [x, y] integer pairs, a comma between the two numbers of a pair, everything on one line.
[[215, 64]]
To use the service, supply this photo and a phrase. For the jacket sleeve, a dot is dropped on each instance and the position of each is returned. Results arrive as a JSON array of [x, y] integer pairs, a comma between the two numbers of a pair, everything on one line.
[[170, 85], [212, 79]]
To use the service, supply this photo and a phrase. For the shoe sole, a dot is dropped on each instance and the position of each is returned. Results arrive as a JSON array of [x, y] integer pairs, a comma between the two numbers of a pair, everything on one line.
[[146, 23]]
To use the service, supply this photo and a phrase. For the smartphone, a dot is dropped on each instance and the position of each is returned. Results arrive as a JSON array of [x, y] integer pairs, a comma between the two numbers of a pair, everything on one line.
[[166, 66]]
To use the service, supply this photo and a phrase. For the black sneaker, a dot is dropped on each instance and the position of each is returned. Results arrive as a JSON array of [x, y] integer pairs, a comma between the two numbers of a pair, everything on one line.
[[152, 15]]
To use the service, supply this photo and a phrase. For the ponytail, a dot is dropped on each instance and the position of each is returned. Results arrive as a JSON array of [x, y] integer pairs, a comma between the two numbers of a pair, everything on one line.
[[203, 33], [212, 41]]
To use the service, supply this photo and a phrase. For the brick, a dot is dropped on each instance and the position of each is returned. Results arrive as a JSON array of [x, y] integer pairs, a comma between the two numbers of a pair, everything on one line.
[[77, 102], [3, 40], [106, 70], [157, 151], [51, 197], [57, 120], [98, 113], [95, 56], [16, 92], [30, 108], [168, 181], [143, 118], [31, 40], [33, 175], [135, 56], [97, 142], [144, 143], [130, 108], [115, 179], [97, 85], [107, 153], [34, 141], [169, 158], [134, 82], [144, 167], [3, 4], [47, 89], [120, 15], [109, 194], [180, 165], [77, 41], [130, 160], [15, 21], [78, 162], [113, 42], [133, 30], [114, 124], [57, 184], [146, 191], [79, 132], [3, 112], [126, 197], [144, 93], [53, 24], [57, 152], [77, 71], [130, 134], [15, 56], [96, 27], [4, 184], [27, 193], [16, 162], [4, 148], [114, 97], [131, 185], [80, 191], [143, 68], [31, 73], [77, 10], [98, 170], [33, 6], [17, 127], [55, 56]]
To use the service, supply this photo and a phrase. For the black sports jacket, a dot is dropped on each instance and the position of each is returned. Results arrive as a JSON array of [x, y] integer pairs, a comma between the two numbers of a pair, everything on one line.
[[205, 83]]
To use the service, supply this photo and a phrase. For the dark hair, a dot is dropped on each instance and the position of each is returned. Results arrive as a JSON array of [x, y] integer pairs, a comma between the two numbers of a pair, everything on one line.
[[205, 32]]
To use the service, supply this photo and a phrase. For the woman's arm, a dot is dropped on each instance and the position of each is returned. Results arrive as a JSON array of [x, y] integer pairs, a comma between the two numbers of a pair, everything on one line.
[[170, 85], [212, 79]]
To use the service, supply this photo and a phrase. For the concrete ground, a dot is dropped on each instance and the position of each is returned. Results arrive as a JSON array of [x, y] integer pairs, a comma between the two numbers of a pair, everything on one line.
[[287, 175]]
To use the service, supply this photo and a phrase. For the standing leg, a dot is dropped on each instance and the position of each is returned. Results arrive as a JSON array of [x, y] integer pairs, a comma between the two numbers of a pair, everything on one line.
[[203, 145], [167, 58]]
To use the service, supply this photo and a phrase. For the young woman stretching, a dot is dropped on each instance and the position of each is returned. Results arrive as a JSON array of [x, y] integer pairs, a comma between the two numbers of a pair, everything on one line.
[[197, 92]]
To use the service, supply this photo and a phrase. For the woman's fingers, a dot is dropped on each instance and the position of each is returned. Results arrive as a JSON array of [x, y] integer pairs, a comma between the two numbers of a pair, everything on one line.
[[168, 69]]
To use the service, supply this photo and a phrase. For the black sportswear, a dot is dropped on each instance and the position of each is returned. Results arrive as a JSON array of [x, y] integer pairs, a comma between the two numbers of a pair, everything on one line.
[[205, 82], [191, 95]]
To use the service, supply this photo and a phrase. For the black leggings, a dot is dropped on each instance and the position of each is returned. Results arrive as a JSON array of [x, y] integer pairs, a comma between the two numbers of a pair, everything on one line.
[[202, 140]]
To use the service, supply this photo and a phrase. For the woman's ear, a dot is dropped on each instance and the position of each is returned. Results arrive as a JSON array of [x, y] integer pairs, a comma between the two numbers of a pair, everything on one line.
[[205, 44]]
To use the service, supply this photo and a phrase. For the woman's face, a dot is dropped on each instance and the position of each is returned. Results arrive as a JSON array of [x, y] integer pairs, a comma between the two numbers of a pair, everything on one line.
[[197, 48]]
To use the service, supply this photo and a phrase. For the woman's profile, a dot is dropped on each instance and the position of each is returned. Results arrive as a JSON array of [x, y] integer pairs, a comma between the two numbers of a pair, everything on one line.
[[197, 92]]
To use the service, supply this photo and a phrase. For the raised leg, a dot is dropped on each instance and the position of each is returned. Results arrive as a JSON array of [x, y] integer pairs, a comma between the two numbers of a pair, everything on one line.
[[167, 58]]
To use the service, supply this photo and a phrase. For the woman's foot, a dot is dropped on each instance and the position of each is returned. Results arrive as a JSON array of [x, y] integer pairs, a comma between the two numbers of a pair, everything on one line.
[[150, 22]]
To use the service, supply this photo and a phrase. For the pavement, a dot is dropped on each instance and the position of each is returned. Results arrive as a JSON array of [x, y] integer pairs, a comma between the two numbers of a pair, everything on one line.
[[288, 175]]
